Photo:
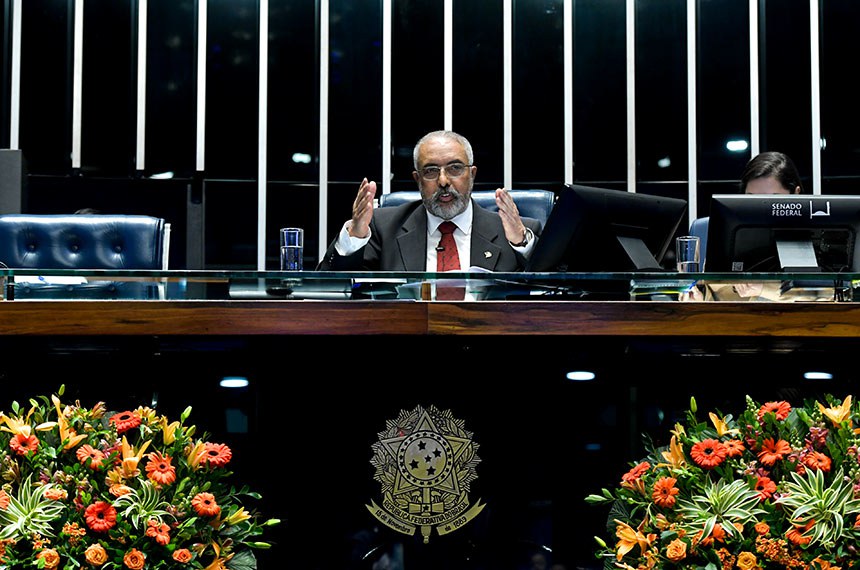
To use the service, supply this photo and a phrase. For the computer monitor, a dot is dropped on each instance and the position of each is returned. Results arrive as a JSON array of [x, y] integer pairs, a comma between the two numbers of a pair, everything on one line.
[[597, 229], [783, 232]]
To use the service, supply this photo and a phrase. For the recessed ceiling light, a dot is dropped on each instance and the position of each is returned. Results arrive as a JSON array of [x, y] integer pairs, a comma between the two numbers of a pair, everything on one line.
[[580, 375], [234, 382], [818, 375]]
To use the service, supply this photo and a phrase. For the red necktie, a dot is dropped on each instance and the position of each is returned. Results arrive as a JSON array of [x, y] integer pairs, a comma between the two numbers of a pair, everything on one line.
[[447, 259]]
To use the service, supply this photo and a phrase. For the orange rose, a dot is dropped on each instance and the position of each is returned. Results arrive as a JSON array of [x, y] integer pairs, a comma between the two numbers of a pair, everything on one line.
[[677, 550], [762, 528], [134, 559], [96, 555], [183, 555], [50, 556], [55, 494], [746, 561]]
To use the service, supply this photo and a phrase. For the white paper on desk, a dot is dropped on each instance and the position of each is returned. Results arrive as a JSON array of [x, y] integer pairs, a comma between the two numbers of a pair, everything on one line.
[[51, 280], [380, 280], [796, 253]]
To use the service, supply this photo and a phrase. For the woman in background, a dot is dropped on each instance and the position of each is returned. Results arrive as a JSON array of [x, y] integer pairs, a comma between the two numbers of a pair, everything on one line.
[[771, 173], [768, 172]]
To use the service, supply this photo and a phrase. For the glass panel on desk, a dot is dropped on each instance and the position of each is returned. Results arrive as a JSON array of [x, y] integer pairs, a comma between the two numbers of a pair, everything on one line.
[[179, 285]]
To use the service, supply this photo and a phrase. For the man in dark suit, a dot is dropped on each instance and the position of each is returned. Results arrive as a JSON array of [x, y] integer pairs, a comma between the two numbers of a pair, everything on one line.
[[407, 237]]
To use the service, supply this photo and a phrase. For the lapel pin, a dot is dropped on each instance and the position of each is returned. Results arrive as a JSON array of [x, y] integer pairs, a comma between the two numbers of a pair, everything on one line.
[[487, 255]]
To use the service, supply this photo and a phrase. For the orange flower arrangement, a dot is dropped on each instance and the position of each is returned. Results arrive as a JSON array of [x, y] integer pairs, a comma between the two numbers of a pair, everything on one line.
[[84, 488], [777, 488]]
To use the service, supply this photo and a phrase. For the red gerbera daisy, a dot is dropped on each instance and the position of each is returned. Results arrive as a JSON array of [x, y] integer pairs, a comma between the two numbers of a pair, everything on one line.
[[734, 448], [204, 505], [125, 421], [816, 460], [796, 534], [708, 453], [23, 444], [87, 453], [636, 472], [100, 516], [159, 531], [216, 454], [765, 487], [771, 451], [159, 469], [665, 491], [781, 409]]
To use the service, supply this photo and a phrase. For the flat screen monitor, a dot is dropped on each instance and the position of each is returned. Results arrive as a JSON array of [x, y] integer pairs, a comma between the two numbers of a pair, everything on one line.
[[774, 233], [597, 229]]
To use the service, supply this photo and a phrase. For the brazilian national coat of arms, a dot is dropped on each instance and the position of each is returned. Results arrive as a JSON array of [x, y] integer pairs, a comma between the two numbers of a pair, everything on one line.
[[425, 461]]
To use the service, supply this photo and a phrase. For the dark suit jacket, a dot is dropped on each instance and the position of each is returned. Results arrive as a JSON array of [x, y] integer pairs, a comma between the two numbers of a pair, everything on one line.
[[398, 242]]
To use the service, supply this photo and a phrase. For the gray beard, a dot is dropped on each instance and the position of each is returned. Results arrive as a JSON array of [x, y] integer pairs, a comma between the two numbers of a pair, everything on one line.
[[450, 210]]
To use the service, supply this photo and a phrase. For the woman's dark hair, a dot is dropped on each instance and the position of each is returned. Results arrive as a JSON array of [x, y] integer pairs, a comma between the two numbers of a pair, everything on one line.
[[775, 164]]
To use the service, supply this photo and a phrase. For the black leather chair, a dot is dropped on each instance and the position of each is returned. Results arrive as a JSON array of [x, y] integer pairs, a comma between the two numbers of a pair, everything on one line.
[[83, 241], [535, 204]]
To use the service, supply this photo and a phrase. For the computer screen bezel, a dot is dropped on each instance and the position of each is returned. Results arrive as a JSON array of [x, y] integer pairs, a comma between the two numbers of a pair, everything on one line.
[[787, 217], [583, 230]]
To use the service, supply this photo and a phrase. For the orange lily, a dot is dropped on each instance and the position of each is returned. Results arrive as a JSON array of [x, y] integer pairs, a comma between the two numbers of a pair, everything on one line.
[[130, 458], [675, 455], [168, 430], [838, 414], [237, 517], [219, 563], [67, 434], [22, 426], [194, 453], [628, 537], [678, 431], [721, 425]]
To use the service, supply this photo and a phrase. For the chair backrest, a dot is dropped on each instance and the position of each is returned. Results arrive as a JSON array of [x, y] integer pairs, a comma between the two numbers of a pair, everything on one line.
[[83, 241], [699, 227], [535, 204]]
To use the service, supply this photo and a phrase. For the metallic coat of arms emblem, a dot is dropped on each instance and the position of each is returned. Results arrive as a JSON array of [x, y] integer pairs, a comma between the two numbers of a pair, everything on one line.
[[425, 461]]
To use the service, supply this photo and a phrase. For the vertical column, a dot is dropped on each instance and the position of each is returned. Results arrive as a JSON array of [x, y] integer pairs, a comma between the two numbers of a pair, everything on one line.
[[262, 116], [201, 85], [15, 87], [140, 151], [386, 98], [630, 35], [815, 81], [755, 137], [568, 91], [507, 91], [448, 64], [323, 150], [77, 81], [692, 133]]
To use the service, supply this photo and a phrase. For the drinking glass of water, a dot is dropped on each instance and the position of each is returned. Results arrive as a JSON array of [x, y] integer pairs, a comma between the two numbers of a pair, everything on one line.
[[292, 248]]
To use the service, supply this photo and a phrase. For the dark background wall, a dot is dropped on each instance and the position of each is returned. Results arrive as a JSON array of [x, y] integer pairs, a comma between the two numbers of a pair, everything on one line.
[[223, 194]]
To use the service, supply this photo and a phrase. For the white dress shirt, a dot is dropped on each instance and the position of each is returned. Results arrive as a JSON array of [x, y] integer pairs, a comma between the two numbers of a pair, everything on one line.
[[347, 244]]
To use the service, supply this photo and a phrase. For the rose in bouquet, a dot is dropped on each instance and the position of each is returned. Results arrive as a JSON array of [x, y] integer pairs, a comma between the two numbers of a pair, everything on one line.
[[776, 487], [86, 488]]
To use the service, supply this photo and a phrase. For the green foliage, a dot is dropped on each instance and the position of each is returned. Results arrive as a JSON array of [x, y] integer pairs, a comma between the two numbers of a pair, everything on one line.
[[81, 483], [775, 483]]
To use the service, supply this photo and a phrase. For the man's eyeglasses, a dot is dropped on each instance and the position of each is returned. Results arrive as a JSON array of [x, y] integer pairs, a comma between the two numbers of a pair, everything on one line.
[[455, 170]]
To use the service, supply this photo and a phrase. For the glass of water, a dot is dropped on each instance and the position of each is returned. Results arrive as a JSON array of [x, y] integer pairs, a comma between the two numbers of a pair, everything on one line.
[[292, 248]]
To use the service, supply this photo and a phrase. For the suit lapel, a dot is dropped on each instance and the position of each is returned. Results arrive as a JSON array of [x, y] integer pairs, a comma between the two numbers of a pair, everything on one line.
[[412, 242], [485, 250]]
